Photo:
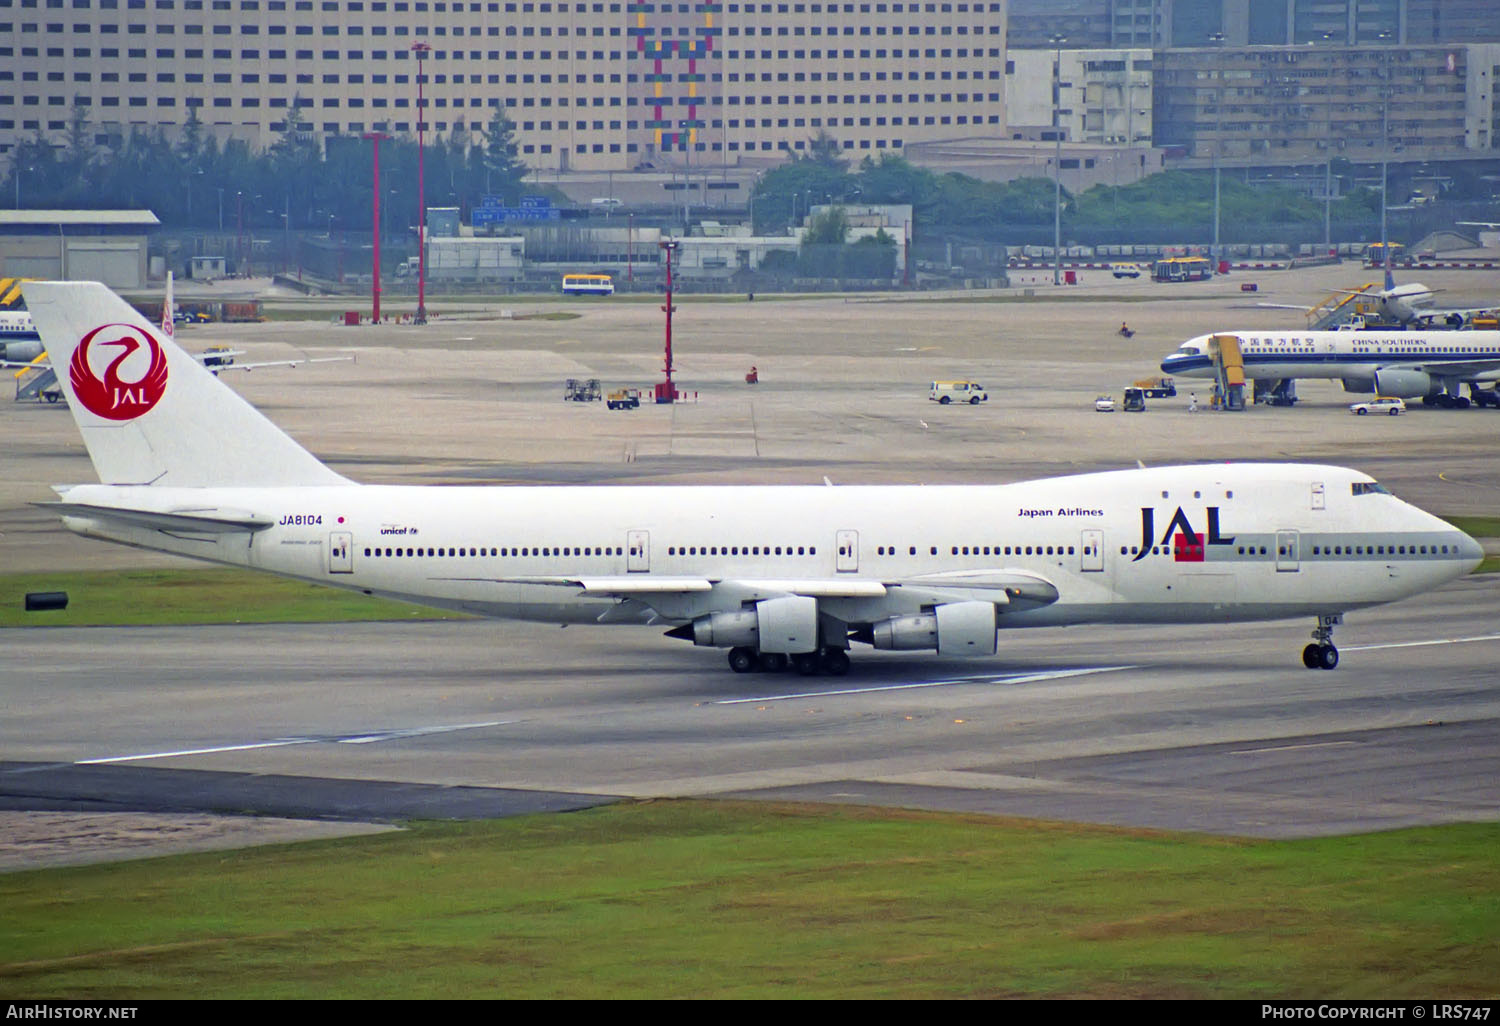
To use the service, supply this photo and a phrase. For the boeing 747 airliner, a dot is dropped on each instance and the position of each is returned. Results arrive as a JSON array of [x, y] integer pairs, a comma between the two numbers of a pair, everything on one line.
[[776, 575]]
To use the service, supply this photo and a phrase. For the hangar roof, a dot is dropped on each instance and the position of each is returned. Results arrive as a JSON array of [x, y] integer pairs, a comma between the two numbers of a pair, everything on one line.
[[77, 218]]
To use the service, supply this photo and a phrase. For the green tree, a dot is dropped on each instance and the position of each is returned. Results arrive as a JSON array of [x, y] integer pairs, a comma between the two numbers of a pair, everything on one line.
[[504, 172], [830, 228], [784, 195], [824, 149]]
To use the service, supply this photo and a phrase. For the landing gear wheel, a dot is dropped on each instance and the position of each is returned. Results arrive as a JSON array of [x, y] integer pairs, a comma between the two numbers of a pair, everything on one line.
[[742, 660], [805, 663], [835, 662], [1321, 655], [772, 662]]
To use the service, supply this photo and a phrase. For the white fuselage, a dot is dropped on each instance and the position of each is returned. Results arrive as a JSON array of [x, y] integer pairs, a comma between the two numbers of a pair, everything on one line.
[[1351, 355], [1176, 544]]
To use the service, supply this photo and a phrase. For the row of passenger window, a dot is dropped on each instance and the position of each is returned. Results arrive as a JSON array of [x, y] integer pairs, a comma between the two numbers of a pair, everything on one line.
[[984, 550], [534, 550], [1382, 550], [742, 550]]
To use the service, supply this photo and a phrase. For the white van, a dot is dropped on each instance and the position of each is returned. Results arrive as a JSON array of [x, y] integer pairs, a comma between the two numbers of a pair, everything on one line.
[[945, 392]]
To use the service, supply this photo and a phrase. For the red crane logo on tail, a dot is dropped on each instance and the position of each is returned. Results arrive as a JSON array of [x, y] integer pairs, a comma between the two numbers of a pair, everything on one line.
[[110, 397]]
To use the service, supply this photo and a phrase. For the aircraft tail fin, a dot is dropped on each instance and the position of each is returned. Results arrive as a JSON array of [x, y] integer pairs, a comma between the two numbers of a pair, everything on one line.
[[150, 413], [1390, 279]]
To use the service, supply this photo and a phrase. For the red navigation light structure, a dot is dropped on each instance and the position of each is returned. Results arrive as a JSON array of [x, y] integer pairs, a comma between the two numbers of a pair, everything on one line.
[[666, 391], [421, 50], [375, 138]]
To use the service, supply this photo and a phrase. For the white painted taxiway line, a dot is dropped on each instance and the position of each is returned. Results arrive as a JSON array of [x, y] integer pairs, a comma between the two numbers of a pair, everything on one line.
[[986, 678], [362, 738], [1420, 644]]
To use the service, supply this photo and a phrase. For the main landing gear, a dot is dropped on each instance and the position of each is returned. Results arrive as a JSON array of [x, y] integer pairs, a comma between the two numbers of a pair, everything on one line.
[[1321, 655], [832, 661]]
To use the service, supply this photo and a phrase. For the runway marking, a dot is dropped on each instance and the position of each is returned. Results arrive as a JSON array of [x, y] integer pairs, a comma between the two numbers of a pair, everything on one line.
[[1292, 748], [1421, 644], [362, 738], [983, 678]]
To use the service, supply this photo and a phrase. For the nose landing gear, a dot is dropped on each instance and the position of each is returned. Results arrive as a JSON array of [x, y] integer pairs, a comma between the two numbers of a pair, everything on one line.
[[1321, 655]]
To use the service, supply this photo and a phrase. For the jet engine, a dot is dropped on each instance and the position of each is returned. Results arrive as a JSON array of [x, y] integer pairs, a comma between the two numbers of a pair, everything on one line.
[[788, 625], [954, 629], [1407, 384]]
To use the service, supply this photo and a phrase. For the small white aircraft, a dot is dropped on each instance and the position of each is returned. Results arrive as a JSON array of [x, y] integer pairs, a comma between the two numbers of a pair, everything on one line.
[[1430, 365], [1409, 304], [776, 575], [19, 342]]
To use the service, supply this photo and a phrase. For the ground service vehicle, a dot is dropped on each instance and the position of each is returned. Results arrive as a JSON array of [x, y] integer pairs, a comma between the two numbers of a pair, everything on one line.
[[1104, 404], [623, 399], [588, 285], [1380, 404], [1157, 388], [1126, 270], [1135, 400], [1182, 269], [945, 392]]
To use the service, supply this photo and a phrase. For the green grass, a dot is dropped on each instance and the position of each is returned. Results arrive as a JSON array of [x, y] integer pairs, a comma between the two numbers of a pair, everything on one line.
[[1478, 527], [129, 597], [728, 900]]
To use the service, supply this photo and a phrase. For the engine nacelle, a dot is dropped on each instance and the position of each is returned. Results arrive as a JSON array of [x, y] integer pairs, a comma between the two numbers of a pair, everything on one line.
[[788, 625], [1365, 385], [1407, 384], [728, 630], [905, 633], [954, 629]]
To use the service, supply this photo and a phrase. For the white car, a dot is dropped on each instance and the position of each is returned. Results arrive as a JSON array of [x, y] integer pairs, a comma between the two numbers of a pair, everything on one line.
[[1126, 270], [1380, 404], [1104, 404]]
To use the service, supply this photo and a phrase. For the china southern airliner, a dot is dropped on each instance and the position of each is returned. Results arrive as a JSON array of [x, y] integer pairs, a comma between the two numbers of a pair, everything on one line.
[[778, 575], [1430, 365]]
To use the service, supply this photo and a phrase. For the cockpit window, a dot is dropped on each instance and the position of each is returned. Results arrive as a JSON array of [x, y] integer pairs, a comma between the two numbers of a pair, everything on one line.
[[1370, 488]]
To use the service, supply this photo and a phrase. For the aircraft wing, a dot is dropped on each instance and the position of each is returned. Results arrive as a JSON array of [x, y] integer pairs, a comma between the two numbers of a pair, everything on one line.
[[203, 519], [680, 598], [216, 368], [1430, 315], [1466, 369]]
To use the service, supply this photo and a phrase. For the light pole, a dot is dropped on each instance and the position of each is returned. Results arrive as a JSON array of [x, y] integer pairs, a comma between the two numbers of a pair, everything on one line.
[[375, 138], [1057, 41], [239, 234], [1217, 39], [421, 50], [666, 392]]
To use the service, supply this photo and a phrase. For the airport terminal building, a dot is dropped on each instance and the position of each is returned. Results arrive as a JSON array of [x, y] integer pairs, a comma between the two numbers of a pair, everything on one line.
[[604, 86], [598, 88]]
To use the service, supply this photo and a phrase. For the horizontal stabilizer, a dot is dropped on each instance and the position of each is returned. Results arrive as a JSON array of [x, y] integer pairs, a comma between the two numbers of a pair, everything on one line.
[[211, 520]]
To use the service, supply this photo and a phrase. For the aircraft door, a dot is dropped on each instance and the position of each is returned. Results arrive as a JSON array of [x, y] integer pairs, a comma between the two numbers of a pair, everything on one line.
[[637, 552], [1287, 560], [847, 543], [1093, 552], [341, 553]]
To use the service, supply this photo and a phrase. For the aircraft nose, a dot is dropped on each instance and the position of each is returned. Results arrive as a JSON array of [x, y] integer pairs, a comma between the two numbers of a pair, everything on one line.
[[1470, 552]]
